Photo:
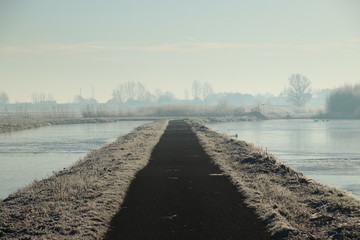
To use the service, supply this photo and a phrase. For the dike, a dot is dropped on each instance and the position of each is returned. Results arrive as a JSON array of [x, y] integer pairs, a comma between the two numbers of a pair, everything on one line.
[[182, 194], [18, 124], [80, 201], [290, 204]]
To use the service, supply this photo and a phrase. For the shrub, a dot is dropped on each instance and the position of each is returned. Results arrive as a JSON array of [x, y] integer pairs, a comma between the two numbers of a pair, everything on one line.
[[344, 101]]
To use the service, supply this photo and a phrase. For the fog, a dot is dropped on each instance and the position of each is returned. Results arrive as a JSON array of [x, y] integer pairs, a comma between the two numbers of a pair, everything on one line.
[[134, 99]]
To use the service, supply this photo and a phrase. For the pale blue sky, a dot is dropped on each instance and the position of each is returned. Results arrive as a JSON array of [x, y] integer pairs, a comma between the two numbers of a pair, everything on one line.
[[58, 47]]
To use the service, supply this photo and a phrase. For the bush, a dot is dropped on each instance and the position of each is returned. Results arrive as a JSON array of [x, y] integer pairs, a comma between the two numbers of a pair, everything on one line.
[[344, 102]]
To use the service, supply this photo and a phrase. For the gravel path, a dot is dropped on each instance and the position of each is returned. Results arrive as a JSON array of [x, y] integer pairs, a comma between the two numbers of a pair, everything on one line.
[[181, 194]]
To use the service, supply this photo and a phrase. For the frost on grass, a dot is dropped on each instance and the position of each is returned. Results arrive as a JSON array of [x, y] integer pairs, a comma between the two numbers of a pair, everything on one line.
[[292, 205], [79, 202], [17, 124]]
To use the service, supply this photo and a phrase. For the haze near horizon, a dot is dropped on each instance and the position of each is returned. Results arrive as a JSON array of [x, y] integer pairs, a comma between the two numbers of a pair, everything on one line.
[[60, 47]]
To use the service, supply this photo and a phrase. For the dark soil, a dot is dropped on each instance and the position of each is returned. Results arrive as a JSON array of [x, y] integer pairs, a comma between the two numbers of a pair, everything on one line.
[[181, 194]]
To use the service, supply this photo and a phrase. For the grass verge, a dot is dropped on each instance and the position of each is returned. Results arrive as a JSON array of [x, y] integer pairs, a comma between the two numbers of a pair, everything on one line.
[[79, 202], [17, 124], [292, 205]]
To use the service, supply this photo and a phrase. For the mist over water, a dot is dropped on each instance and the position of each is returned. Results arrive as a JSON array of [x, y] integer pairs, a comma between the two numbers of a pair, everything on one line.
[[36, 153], [327, 151]]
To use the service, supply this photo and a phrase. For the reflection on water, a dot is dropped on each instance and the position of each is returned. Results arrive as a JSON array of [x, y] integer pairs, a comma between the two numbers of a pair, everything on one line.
[[328, 152], [36, 153]]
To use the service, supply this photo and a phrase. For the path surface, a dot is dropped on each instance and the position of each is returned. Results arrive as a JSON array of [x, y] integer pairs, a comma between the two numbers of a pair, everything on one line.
[[182, 195]]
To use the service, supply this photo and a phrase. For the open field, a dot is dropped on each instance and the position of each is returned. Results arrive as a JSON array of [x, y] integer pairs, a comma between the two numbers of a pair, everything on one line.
[[79, 202], [292, 206]]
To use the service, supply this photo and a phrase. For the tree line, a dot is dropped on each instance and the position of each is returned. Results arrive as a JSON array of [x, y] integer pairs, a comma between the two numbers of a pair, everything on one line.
[[298, 93], [340, 102]]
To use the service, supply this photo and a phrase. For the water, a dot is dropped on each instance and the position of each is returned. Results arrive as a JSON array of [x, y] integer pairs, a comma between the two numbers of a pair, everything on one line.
[[327, 151], [36, 153]]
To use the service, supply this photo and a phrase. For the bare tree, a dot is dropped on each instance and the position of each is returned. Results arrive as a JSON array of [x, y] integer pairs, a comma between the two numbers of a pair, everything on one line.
[[131, 91], [344, 102], [148, 97], [260, 100], [118, 95], [141, 93], [299, 91], [196, 89], [201, 90], [207, 90], [4, 98], [41, 97], [157, 94]]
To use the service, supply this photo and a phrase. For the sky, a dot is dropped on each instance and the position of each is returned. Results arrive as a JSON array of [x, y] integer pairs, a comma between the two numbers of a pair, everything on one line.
[[64, 48]]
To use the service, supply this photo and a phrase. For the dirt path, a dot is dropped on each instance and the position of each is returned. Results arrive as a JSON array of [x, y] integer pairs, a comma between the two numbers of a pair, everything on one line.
[[182, 195]]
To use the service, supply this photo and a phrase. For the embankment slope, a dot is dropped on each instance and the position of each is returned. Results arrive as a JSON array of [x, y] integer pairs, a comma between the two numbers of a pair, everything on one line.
[[292, 206], [79, 202], [181, 194], [17, 124]]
